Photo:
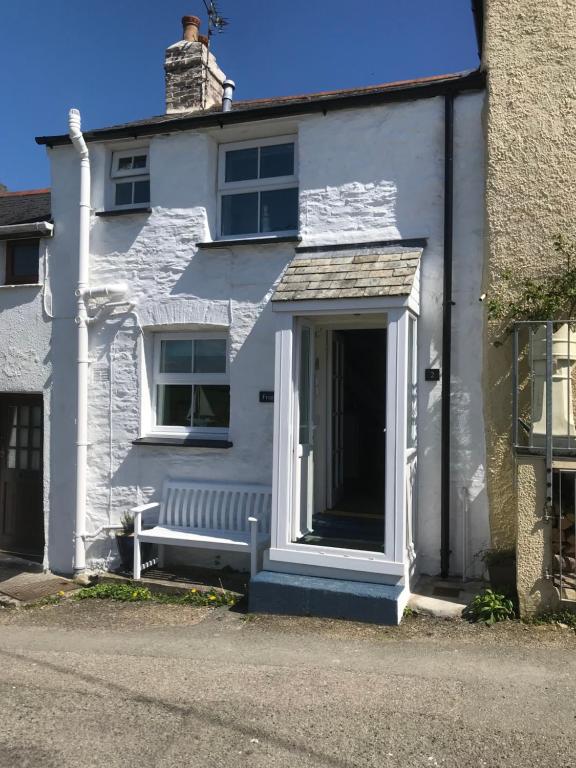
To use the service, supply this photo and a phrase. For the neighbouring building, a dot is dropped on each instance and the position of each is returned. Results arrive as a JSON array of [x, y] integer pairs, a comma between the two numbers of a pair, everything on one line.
[[266, 305], [25, 370], [529, 55]]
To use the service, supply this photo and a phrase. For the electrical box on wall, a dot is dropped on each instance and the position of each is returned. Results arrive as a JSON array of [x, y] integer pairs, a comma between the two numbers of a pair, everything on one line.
[[432, 374]]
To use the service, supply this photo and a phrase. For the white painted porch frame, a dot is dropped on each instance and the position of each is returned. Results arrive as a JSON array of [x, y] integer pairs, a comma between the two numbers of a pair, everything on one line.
[[393, 560]]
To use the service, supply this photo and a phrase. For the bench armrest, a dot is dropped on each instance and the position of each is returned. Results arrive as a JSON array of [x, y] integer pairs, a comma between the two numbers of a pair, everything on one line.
[[139, 511], [144, 507]]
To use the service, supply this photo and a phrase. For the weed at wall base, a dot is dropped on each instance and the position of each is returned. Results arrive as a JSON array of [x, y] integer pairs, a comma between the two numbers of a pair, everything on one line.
[[135, 593]]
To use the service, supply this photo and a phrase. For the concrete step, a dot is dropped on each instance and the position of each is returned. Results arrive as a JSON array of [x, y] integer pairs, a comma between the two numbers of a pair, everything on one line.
[[284, 593]]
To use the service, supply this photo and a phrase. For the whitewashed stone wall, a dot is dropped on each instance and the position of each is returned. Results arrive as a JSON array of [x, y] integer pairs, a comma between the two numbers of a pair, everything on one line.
[[25, 365], [370, 174]]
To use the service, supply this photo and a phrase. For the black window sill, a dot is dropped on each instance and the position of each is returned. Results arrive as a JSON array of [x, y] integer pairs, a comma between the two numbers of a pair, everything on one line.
[[183, 442], [250, 241], [123, 212]]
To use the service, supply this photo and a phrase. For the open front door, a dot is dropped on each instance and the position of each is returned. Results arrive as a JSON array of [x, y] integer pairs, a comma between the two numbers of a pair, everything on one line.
[[305, 444], [336, 421]]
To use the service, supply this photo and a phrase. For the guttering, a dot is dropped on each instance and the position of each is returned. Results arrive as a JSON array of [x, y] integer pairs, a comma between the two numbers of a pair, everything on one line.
[[110, 291], [82, 361], [478, 13], [276, 108], [447, 334], [39, 228]]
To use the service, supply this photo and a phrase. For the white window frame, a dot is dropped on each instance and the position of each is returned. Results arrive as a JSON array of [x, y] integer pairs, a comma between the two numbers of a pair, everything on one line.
[[131, 174], [186, 379], [254, 185]]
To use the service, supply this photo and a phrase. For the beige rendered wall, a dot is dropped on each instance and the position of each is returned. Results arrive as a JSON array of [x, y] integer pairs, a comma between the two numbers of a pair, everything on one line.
[[536, 592], [530, 58]]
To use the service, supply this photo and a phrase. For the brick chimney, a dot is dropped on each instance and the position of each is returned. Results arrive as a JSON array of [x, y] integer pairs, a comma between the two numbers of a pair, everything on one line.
[[194, 81]]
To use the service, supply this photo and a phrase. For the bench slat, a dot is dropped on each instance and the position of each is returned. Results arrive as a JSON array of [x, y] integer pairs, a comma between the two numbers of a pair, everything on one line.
[[214, 506], [176, 534]]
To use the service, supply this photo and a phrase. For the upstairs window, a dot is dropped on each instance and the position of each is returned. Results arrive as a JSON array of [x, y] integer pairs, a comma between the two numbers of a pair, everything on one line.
[[191, 384], [258, 187], [22, 257], [131, 178]]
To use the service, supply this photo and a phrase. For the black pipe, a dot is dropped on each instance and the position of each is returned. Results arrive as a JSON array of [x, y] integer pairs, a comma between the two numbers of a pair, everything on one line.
[[447, 334], [478, 12]]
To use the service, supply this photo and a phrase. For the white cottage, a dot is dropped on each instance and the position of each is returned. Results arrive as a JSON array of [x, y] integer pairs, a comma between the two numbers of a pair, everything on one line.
[[25, 370], [264, 293]]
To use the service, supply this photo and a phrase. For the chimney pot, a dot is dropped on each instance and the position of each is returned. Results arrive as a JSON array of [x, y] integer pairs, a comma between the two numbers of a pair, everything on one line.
[[228, 86], [190, 27], [194, 81]]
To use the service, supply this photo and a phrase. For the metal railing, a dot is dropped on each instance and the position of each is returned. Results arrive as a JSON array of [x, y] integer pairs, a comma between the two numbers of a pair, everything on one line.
[[544, 393]]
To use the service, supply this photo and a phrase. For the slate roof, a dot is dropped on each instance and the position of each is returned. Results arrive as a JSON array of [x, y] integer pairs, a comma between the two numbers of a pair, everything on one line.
[[24, 207], [261, 109], [354, 273]]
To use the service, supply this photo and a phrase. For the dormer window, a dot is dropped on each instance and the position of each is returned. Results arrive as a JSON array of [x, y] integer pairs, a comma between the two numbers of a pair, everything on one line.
[[131, 178], [258, 187]]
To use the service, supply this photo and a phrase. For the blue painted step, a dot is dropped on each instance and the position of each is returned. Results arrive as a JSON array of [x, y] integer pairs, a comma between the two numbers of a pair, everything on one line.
[[284, 593]]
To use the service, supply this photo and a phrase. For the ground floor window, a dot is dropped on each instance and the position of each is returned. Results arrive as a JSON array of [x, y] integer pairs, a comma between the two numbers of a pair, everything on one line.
[[191, 384], [22, 257]]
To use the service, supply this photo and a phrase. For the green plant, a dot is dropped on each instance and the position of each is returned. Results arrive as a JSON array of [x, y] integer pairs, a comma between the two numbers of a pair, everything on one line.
[[132, 592], [566, 618], [44, 601], [498, 556], [126, 592], [127, 523], [551, 296], [489, 607], [408, 612], [212, 597]]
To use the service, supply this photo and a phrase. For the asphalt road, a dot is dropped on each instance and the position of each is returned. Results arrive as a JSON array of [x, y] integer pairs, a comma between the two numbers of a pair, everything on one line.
[[230, 692]]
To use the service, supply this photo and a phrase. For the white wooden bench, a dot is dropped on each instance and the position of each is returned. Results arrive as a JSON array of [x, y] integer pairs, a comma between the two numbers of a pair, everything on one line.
[[209, 516]]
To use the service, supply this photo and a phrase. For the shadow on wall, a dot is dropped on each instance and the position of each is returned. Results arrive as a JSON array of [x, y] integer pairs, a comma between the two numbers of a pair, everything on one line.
[[111, 236], [243, 273], [62, 466], [392, 184]]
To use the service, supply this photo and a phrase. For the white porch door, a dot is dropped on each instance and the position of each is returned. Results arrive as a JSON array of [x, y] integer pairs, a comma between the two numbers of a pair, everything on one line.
[[305, 444], [336, 421]]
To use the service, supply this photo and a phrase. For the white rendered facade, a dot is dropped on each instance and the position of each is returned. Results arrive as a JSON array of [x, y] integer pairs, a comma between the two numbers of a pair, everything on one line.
[[366, 174]]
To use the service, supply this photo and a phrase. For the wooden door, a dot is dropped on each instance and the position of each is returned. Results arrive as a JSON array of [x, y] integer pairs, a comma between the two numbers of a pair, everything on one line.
[[21, 495]]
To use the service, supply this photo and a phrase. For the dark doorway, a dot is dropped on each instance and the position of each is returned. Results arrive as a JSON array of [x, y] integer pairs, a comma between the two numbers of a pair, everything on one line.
[[364, 423], [356, 439], [21, 475]]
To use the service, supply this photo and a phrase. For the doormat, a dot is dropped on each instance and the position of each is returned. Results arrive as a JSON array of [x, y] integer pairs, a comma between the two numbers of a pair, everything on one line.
[[28, 587], [442, 591]]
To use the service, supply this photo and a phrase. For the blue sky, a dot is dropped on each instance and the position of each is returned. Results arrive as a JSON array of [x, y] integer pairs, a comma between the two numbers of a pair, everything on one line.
[[106, 57]]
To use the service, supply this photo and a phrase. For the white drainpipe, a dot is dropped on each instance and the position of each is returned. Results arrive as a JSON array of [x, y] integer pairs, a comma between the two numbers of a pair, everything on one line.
[[83, 292], [82, 323]]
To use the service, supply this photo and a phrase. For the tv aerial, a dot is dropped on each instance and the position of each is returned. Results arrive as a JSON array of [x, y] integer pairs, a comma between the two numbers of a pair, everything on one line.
[[216, 22]]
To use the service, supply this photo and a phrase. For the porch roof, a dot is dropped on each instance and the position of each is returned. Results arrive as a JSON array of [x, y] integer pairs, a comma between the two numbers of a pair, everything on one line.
[[354, 273]]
